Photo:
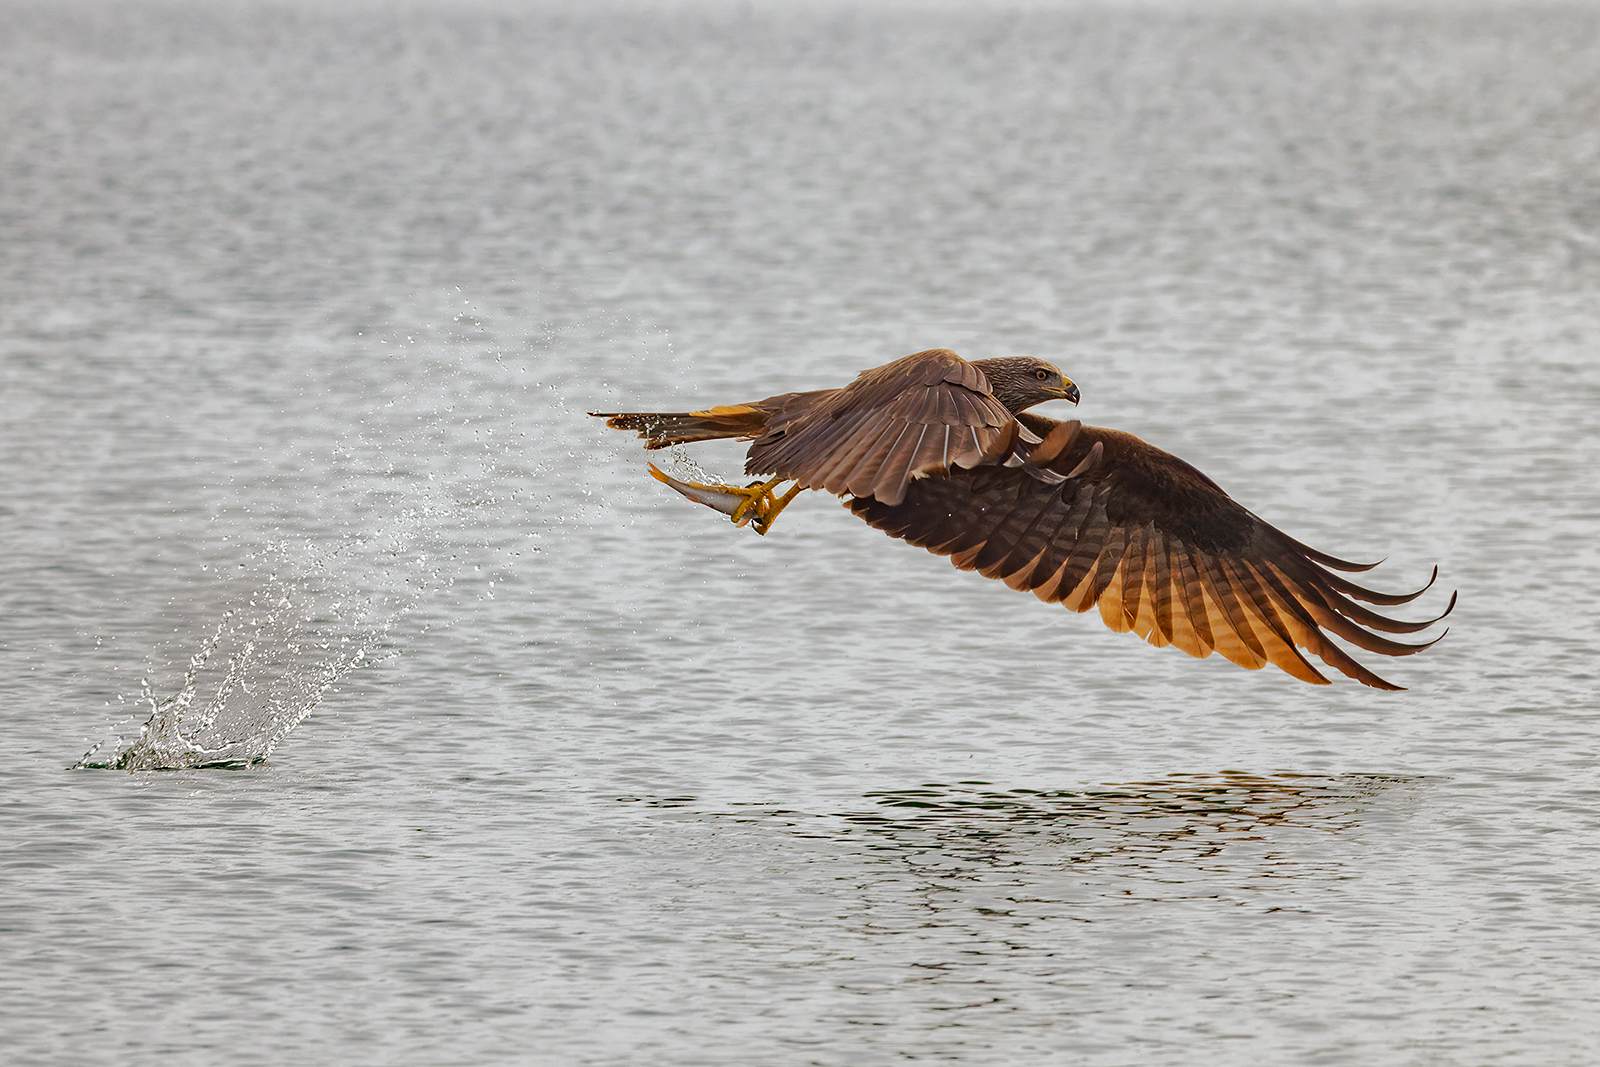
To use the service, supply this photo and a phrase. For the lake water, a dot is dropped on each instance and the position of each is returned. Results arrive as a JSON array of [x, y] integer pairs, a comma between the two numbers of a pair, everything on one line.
[[300, 313]]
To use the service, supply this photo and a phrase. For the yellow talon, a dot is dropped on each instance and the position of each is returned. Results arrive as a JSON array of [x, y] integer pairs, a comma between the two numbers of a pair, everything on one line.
[[758, 495], [764, 520]]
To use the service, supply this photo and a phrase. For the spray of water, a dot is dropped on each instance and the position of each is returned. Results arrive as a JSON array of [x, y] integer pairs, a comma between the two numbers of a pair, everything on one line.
[[269, 663], [425, 479]]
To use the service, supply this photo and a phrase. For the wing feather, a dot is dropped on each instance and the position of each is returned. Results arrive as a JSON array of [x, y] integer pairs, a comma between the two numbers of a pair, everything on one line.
[[1273, 631], [1134, 574], [1191, 625], [1077, 554], [1021, 565], [1306, 632], [895, 470], [860, 478], [1151, 542], [1074, 584], [1158, 586], [1114, 542], [832, 470], [1008, 536], [1231, 635], [1316, 604], [867, 438], [1052, 568], [812, 452]]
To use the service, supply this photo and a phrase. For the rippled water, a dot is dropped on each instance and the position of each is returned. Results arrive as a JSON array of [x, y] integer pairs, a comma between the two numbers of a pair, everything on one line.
[[300, 314]]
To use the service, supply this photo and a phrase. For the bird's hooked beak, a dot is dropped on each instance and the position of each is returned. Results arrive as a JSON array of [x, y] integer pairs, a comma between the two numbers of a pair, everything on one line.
[[1068, 390]]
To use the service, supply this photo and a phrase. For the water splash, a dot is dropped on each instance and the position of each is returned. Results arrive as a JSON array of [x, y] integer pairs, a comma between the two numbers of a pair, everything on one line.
[[680, 464], [427, 461], [266, 667]]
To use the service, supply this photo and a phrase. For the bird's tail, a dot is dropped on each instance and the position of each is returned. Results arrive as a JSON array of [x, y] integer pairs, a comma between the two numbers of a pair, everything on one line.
[[664, 429]]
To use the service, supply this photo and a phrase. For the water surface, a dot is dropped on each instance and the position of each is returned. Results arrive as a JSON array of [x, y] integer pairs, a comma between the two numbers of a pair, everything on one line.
[[300, 314]]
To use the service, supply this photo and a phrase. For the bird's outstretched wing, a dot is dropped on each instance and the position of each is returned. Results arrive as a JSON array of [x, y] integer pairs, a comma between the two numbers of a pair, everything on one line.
[[927, 411], [1156, 546]]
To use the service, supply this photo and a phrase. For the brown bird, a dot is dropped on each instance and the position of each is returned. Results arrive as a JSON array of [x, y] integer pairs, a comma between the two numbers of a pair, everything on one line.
[[942, 453]]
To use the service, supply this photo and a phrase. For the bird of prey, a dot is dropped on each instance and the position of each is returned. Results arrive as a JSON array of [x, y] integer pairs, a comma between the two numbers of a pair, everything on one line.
[[943, 453]]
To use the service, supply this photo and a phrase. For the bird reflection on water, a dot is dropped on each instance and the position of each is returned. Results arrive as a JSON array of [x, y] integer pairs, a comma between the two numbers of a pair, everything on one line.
[[1251, 826], [1173, 808], [1180, 821]]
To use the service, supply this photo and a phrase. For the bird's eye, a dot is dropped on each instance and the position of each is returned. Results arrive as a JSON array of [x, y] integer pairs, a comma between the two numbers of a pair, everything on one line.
[[1042, 374]]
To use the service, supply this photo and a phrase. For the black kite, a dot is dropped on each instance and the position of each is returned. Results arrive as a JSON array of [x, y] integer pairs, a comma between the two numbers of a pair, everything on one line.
[[941, 453]]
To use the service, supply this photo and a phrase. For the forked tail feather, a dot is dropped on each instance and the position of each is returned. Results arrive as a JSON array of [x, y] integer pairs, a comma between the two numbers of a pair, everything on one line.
[[661, 429]]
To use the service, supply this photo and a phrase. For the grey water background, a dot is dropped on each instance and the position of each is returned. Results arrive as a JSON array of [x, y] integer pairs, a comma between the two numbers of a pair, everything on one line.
[[301, 308]]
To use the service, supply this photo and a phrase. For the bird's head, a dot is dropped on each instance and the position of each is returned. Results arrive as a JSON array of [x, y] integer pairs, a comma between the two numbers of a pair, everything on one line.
[[1019, 382]]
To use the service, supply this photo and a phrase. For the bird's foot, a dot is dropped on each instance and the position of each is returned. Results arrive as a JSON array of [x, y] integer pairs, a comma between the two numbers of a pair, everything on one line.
[[753, 504]]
